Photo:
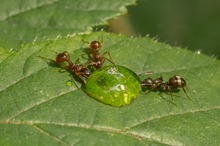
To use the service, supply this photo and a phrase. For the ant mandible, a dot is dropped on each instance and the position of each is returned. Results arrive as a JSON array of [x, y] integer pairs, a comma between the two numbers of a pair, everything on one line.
[[80, 70], [97, 60], [158, 84]]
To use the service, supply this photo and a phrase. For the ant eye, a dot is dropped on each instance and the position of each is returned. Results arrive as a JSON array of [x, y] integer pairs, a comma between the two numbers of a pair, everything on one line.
[[113, 85]]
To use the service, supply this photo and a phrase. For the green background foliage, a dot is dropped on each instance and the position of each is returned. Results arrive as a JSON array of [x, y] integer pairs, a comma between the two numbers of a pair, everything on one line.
[[192, 24], [38, 108]]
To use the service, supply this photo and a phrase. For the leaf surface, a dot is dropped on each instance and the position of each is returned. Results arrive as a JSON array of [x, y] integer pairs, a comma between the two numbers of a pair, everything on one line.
[[53, 19], [37, 104]]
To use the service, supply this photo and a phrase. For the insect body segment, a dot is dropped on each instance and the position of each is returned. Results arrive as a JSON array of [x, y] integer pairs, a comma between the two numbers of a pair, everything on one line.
[[160, 85], [177, 81], [80, 70], [153, 84], [97, 59], [63, 59]]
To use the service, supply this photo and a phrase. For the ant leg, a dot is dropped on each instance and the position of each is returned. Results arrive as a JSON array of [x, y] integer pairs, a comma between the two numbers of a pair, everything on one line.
[[69, 82], [51, 60], [108, 53], [170, 91], [78, 62], [83, 56], [171, 95], [109, 57], [101, 43], [81, 77], [84, 41], [91, 63], [185, 92], [76, 84], [172, 101], [148, 91], [55, 52], [110, 61], [78, 74], [102, 39], [147, 73], [44, 58]]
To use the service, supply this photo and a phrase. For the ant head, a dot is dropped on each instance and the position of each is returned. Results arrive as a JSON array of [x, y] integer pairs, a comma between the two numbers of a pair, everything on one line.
[[177, 81], [62, 57], [86, 73], [96, 45]]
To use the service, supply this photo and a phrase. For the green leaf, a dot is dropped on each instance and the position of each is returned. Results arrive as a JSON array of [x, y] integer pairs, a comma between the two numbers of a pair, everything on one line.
[[51, 19], [40, 107], [37, 105]]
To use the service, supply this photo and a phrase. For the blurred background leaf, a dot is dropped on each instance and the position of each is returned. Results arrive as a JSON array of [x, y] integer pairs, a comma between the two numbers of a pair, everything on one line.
[[27, 21], [192, 24]]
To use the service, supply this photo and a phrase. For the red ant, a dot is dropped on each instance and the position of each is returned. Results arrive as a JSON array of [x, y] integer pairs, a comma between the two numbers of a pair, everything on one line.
[[97, 60], [158, 84], [80, 70]]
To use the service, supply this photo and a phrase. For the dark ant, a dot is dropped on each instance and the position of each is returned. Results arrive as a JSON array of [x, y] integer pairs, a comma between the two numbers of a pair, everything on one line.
[[97, 60], [80, 70], [158, 84], [151, 84]]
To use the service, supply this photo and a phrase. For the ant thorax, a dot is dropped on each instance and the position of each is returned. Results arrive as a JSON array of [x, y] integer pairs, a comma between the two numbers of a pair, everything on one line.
[[97, 56]]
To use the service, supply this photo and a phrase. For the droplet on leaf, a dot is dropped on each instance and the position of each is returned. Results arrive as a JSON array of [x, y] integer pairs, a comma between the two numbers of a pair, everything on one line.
[[113, 85], [69, 83]]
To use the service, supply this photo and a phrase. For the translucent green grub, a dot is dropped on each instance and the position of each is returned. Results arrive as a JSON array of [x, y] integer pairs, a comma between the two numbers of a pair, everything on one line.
[[113, 85]]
